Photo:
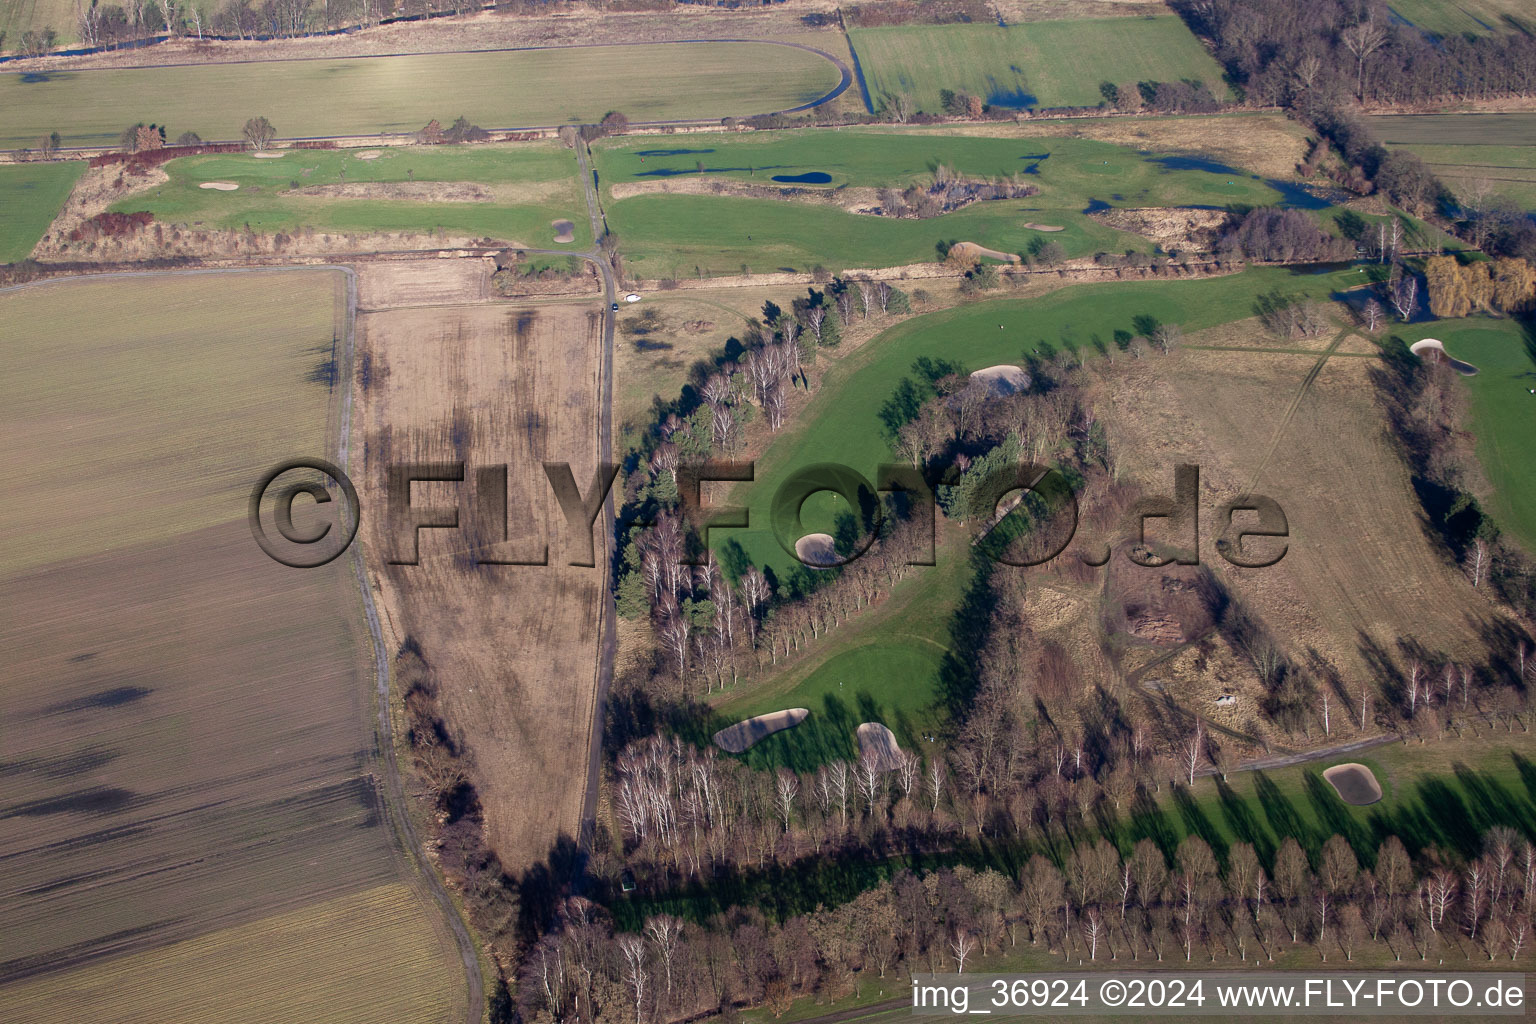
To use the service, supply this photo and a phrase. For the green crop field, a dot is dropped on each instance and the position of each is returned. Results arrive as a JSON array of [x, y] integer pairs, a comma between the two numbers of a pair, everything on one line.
[[372, 95], [1466, 17], [31, 195], [1466, 150], [671, 235], [1046, 63], [528, 185], [1503, 410], [19, 16]]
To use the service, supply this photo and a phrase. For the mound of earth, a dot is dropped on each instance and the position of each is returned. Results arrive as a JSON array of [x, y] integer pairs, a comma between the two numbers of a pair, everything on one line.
[[412, 191], [879, 742], [816, 550], [1355, 783], [738, 738], [1004, 379], [565, 231], [970, 252], [1162, 605], [1169, 226], [1432, 350], [220, 186]]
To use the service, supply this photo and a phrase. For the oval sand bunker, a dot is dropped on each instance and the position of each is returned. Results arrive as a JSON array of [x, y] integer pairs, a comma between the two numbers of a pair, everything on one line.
[[221, 186], [1005, 379], [1355, 783], [269, 156], [367, 154], [879, 743], [816, 550], [736, 739], [565, 231], [1431, 349]]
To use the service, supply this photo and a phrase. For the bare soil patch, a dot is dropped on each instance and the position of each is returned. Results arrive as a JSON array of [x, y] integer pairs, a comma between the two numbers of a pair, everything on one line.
[[738, 738], [515, 647], [1170, 227], [1355, 783], [875, 739], [389, 284], [404, 191], [972, 251]]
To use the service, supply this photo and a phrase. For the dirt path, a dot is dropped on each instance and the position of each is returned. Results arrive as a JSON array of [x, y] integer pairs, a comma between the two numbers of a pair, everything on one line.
[[1290, 412], [1133, 680]]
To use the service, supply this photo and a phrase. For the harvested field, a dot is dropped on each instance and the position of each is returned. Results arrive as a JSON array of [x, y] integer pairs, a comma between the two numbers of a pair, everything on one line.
[[189, 746], [283, 967], [515, 647], [373, 95], [878, 742], [1355, 783], [389, 284], [1477, 155], [739, 738]]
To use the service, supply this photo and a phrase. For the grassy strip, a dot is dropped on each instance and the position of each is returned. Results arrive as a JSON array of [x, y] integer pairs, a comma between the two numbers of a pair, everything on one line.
[[31, 195]]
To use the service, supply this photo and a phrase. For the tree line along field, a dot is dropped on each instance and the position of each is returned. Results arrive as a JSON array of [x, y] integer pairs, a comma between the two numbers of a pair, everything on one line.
[[1044, 63], [528, 185], [672, 235], [30, 196], [1467, 150], [186, 735], [373, 95]]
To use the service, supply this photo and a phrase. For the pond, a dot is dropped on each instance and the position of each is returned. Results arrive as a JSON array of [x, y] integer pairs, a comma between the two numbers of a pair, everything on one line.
[[808, 178]]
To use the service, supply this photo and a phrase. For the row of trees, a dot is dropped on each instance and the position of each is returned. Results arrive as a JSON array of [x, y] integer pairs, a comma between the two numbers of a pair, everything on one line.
[[1457, 289], [1089, 904]]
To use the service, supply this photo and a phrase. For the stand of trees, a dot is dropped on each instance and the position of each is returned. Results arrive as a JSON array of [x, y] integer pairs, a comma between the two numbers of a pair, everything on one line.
[[1091, 904]]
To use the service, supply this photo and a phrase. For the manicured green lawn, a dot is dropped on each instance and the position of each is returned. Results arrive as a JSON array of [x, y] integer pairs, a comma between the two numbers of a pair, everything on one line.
[[31, 195], [842, 424], [684, 235], [370, 95], [544, 175], [1044, 63], [1503, 410]]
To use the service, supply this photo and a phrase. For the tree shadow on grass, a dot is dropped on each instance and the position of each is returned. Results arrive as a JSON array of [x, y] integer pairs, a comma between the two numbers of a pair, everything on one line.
[[1336, 817], [1150, 821], [1198, 823], [828, 734], [1284, 820], [1245, 824]]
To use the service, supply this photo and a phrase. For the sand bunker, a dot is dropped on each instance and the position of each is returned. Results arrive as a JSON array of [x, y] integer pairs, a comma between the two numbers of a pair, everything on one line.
[[736, 739], [1355, 783], [368, 154], [817, 551], [1045, 227], [565, 231], [221, 186], [876, 739], [1430, 350], [270, 156], [1005, 379], [972, 251]]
